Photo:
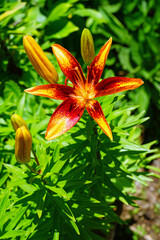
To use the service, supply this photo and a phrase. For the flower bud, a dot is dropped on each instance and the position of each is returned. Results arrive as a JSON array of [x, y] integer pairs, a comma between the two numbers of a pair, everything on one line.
[[87, 46], [23, 144], [39, 60], [17, 121]]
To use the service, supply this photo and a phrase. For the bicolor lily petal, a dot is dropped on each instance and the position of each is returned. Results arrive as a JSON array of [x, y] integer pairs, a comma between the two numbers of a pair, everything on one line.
[[83, 91], [97, 66], [69, 65], [59, 92], [65, 117], [116, 84], [95, 111]]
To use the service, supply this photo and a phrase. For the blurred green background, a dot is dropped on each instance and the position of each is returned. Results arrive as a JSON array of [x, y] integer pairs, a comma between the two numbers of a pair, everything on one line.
[[133, 25]]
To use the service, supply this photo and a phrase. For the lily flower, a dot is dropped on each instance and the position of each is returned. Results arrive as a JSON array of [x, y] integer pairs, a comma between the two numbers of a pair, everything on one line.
[[81, 95]]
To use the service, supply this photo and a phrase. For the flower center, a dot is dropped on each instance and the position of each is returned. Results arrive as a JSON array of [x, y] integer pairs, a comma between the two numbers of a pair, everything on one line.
[[83, 89], [87, 91]]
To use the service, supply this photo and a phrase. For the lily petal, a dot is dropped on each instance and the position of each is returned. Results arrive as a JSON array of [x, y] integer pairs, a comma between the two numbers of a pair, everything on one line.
[[116, 84], [96, 68], [55, 91], [95, 111], [69, 65], [65, 117]]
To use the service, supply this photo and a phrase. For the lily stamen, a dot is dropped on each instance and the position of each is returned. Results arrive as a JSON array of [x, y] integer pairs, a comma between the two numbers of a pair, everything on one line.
[[66, 81]]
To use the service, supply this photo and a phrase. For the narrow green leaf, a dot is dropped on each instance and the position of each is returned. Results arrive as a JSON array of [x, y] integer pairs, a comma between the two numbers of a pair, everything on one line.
[[132, 146], [16, 219], [6, 217], [134, 123], [40, 199], [13, 234], [120, 111], [3, 179], [59, 164], [24, 224], [74, 225], [153, 168], [56, 152], [24, 185], [4, 203], [15, 170], [152, 157], [60, 191], [21, 105], [64, 208], [56, 225]]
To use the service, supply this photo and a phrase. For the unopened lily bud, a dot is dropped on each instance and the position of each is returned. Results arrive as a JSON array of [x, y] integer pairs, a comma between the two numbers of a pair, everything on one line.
[[87, 46], [23, 144], [17, 121], [39, 60]]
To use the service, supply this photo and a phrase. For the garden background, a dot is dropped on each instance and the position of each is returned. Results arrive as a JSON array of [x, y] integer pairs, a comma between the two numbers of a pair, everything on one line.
[[74, 201]]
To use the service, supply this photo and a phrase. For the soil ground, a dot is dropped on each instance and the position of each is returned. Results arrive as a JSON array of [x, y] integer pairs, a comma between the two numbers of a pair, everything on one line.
[[143, 222]]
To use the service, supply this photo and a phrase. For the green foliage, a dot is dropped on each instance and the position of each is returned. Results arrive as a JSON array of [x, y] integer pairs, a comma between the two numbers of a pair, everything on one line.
[[83, 174], [85, 177]]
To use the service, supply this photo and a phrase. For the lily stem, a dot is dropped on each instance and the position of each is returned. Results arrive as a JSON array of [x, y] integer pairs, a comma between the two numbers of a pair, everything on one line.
[[36, 159], [33, 170]]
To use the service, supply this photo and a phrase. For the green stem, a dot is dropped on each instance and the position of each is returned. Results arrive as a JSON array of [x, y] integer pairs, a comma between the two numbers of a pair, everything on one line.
[[32, 169], [36, 159]]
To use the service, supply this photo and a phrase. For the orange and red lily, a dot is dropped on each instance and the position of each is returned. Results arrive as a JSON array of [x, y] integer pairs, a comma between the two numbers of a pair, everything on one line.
[[81, 95]]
